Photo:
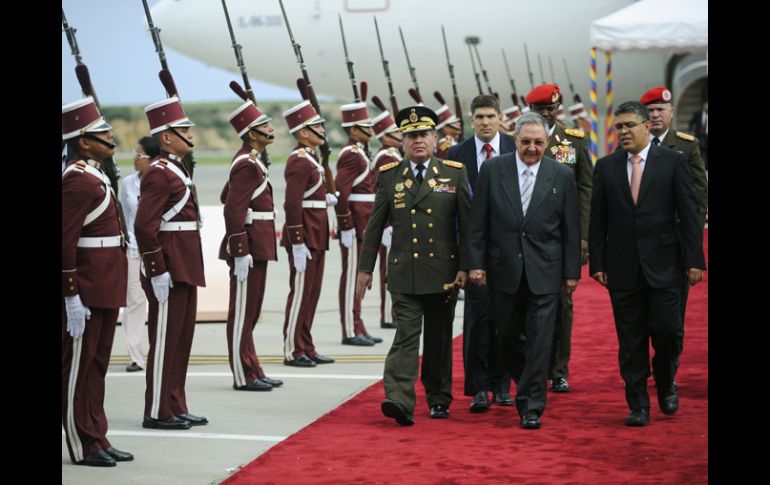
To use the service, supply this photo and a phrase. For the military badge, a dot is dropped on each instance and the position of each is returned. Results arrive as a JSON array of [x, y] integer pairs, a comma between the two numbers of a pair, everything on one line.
[[444, 180], [432, 183], [399, 195], [408, 183], [435, 170], [447, 189], [399, 187], [400, 205], [413, 116]]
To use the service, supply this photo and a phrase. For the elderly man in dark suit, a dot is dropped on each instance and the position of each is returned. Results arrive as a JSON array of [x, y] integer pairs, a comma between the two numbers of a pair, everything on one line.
[[639, 253], [483, 372], [530, 254]]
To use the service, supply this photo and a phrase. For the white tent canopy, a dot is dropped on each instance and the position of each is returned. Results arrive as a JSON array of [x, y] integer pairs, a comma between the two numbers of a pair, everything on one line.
[[667, 25]]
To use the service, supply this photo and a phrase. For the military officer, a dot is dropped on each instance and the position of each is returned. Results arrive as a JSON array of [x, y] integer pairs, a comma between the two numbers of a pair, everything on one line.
[[305, 234], [94, 280], [427, 202], [570, 147], [248, 244], [386, 131], [449, 127], [167, 232], [355, 184]]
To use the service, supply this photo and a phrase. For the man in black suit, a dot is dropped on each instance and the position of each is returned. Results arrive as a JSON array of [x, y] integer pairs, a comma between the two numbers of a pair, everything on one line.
[[699, 124], [481, 361], [524, 239], [637, 251]]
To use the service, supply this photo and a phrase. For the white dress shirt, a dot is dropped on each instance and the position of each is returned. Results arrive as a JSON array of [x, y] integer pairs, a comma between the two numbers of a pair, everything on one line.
[[129, 199], [521, 166], [481, 154]]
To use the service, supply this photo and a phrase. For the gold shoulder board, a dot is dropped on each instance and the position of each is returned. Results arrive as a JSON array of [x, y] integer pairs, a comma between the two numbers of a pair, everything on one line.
[[453, 164], [685, 136], [388, 166], [575, 132]]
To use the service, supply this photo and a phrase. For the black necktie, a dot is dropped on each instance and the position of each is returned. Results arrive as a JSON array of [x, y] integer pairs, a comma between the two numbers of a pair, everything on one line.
[[656, 141], [419, 177]]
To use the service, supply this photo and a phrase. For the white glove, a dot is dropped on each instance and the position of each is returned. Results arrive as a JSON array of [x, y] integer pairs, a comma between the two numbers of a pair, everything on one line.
[[161, 285], [242, 265], [331, 199], [301, 255], [387, 236], [77, 313], [346, 237]]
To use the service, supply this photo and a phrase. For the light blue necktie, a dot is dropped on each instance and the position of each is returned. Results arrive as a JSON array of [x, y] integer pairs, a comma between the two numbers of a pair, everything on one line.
[[526, 190]]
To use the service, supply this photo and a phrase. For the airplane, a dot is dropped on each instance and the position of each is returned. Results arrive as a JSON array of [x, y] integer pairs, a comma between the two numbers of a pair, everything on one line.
[[556, 32]]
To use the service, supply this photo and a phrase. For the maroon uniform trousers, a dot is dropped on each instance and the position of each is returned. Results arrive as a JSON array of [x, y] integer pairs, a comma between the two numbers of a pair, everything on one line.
[[384, 156], [94, 266], [306, 223], [355, 179], [249, 229], [169, 240]]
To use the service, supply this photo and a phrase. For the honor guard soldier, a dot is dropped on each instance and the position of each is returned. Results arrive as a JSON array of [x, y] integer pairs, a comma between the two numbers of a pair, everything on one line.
[[248, 245], [660, 104], [94, 279], [449, 127], [386, 131], [167, 231], [426, 200], [355, 184], [510, 117], [579, 117], [305, 234], [567, 146]]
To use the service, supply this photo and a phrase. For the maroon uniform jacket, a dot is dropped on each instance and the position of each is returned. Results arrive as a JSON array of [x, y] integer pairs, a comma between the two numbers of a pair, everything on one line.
[[178, 252], [355, 175], [247, 176], [309, 226], [99, 275]]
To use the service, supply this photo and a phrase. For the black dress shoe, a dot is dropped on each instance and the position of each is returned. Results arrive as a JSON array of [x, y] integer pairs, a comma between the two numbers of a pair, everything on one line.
[[387, 325], [171, 423], [358, 340], [668, 400], [98, 458], [638, 417], [118, 455], [256, 385], [503, 399], [301, 361], [374, 339], [480, 402], [439, 411], [193, 419], [133, 367], [530, 420], [559, 384], [397, 411], [272, 382], [322, 359]]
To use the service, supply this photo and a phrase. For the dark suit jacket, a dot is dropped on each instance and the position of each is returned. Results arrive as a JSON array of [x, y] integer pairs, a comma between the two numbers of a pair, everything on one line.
[[545, 242], [465, 153], [624, 237]]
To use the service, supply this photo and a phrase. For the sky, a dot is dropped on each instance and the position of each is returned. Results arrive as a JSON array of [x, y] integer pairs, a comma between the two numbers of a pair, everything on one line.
[[123, 64]]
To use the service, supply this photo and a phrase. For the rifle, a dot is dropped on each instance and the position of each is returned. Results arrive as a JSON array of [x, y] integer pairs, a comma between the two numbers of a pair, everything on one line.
[[411, 69], [510, 78], [469, 41], [550, 65], [540, 63], [575, 96], [352, 74], [458, 107], [248, 93], [84, 79], [393, 103], [529, 68], [484, 71], [166, 79], [308, 93]]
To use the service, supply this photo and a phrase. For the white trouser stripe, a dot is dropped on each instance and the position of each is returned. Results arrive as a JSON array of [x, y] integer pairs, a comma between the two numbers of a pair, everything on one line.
[[299, 289], [74, 439], [349, 288], [388, 307], [160, 352], [240, 311]]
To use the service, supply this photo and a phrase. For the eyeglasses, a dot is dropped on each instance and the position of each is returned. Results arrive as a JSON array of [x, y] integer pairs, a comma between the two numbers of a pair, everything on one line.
[[630, 124], [140, 155]]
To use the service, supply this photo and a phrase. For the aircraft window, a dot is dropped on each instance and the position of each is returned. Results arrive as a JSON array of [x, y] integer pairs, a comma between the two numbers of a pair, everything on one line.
[[367, 5]]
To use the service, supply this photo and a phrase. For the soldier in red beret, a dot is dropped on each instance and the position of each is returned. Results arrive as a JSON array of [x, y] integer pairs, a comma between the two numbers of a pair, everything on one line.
[[248, 244], [94, 280], [167, 231]]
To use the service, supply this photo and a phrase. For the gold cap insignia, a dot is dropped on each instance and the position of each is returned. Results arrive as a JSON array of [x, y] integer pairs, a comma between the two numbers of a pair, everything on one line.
[[413, 116]]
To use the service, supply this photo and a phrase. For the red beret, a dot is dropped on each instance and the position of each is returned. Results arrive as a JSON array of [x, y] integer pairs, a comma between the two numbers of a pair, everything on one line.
[[661, 94], [544, 94]]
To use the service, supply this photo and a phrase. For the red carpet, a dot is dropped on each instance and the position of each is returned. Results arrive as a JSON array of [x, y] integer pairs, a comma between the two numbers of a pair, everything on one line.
[[582, 441]]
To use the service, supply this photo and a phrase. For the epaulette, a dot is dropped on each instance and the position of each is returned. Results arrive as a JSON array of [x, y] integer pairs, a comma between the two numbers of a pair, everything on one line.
[[446, 144], [80, 166], [391, 150], [577, 133], [685, 136], [453, 164], [389, 166], [302, 153]]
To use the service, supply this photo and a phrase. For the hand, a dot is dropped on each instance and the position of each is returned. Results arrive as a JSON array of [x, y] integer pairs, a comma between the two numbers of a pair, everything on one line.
[[387, 236], [571, 285], [462, 278], [478, 277], [346, 237], [77, 314], [694, 275], [601, 277], [583, 252], [331, 199], [363, 282], [242, 265], [301, 255], [161, 286]]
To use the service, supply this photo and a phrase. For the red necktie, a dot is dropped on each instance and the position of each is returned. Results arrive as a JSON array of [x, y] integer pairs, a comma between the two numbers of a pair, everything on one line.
[[488, 148]]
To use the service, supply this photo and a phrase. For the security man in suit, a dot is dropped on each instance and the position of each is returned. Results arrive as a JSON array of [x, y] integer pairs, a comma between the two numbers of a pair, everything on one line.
[[569, 147], [94, 280], [426, 200], [659, 102], [248, 244]]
